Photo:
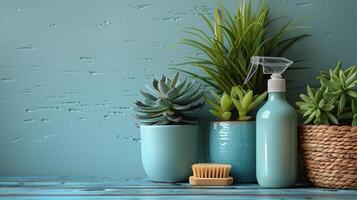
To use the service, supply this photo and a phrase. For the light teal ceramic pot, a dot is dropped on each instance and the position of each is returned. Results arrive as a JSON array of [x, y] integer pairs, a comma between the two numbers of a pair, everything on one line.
[[169, 151], [234, 143]]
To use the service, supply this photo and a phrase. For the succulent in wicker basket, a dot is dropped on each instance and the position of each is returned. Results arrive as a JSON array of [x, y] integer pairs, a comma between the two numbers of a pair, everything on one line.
[[335, 101], [170, 102], [329, 152]]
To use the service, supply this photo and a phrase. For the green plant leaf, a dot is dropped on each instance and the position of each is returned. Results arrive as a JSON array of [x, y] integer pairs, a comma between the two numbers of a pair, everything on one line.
[[354, 122], [225, 102], [321, 103], [226, 116], [148, 96], [244, 118], [232, 40], [174, 81], [328, 107], [215, 113], [354, 105], [332, 118], [238, 105], [162, 86], [310, 118], [172, 93], [170, 104], [247, 99], [341, 104], [352, 93], [305, 98], [311, 93], [257, 101], [351, 79], [213, 105]]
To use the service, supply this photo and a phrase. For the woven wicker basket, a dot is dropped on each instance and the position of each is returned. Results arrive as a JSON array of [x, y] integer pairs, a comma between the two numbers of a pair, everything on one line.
[[330, 155]]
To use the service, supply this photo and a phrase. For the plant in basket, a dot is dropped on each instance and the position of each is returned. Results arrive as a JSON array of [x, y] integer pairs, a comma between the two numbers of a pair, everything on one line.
[[169, 134], [328, 138]]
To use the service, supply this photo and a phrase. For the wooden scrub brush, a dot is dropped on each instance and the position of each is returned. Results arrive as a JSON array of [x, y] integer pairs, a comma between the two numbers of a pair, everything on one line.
[[211, 174]]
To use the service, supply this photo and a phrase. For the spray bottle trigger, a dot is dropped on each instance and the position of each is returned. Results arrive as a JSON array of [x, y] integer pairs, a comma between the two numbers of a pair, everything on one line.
[[252, 71], [271, 65]]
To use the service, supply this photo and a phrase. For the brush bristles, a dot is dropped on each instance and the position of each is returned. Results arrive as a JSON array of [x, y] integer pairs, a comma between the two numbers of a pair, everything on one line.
[[211, 170]]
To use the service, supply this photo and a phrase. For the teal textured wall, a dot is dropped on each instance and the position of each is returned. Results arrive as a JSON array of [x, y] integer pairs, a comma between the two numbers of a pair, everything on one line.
[[69, 70]]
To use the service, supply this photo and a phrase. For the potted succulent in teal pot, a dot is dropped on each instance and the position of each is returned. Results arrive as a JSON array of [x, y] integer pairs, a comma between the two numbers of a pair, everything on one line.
[[232, 139], [169, 132]]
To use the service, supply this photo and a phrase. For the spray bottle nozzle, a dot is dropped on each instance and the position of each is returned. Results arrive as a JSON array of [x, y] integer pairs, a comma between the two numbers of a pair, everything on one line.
[[271, 65]]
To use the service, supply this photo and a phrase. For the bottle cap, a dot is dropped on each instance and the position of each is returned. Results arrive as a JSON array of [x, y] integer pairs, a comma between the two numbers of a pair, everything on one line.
[[276, 85]]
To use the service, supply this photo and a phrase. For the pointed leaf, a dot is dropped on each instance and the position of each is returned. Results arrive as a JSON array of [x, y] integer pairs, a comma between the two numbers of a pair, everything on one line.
[[163, 87], [174, 81], [332, 118], [341, 104], [226, 116], [148, 96]]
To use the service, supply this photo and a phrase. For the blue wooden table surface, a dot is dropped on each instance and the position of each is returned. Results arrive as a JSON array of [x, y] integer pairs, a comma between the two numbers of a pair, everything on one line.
[[76, 188]]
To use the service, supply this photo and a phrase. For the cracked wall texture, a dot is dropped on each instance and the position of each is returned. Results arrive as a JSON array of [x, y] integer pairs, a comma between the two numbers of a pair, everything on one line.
[[69, 70]]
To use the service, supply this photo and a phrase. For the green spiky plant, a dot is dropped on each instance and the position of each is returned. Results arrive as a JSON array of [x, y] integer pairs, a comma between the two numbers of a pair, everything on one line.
[[170, 102], [232, 41], [335, 102], [239, 101]]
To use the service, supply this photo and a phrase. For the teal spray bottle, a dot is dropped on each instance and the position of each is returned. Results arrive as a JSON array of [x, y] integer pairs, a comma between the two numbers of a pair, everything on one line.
[[276, 139]]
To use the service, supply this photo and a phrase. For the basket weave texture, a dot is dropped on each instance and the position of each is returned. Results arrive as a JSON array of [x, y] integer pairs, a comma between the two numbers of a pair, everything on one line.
[[330, 155]]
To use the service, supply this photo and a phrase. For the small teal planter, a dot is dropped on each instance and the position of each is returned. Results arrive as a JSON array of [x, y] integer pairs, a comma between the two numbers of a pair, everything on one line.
[[169, 151], [234, 143]]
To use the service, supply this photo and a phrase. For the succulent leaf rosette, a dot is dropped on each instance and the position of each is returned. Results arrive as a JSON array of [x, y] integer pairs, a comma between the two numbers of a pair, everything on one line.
[[335, 102], [170, 102], [238, 101]]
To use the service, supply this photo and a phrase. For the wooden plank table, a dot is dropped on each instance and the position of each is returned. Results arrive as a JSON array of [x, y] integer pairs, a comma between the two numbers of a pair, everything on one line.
[[76, 188]]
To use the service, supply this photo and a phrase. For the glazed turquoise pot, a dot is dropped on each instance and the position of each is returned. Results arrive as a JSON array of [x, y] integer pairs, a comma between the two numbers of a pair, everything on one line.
[[169, 151], [233, 143]]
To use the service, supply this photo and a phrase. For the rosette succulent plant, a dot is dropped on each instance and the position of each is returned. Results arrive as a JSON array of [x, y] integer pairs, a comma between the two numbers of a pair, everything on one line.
[[335, 101], [170, 102], [316, 107], [242, 100], [221, 106]]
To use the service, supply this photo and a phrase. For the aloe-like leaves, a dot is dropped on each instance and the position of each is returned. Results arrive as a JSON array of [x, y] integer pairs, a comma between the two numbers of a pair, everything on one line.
[[257, 101], [225, 102], [226, 116], [246, 102], [221, 106], [243, 100], [213, 104]]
